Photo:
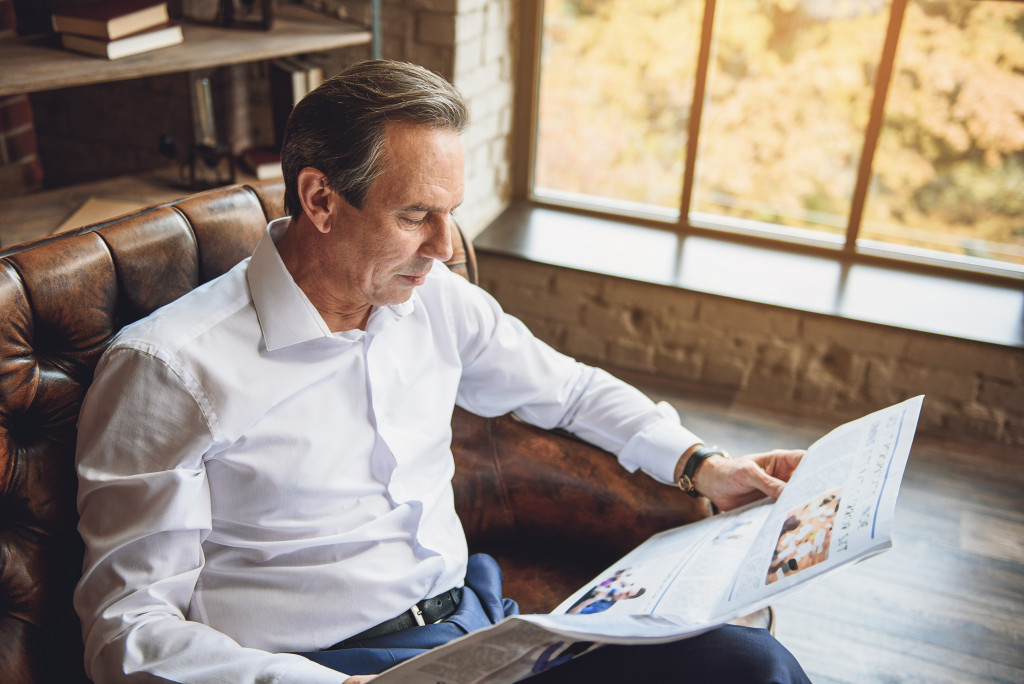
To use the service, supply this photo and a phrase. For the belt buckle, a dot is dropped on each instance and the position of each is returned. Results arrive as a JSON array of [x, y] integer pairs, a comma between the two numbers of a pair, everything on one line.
[[417, 615]]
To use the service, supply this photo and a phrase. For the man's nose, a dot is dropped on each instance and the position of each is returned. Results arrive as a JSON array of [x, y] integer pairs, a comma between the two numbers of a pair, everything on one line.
[[438, 245]]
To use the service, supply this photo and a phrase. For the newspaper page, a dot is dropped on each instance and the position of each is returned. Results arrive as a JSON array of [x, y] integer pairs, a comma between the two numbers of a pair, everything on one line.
[[836, 509], [839, 510]]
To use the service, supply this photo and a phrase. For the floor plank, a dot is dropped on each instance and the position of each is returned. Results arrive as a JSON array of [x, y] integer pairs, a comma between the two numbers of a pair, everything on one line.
[[992, 536]]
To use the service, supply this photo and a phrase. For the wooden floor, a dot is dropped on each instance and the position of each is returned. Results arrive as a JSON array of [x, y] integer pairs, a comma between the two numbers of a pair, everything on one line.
[[945, 604]]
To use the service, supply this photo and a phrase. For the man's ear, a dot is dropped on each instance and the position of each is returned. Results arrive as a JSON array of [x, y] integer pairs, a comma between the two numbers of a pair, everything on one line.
[[315, 197]]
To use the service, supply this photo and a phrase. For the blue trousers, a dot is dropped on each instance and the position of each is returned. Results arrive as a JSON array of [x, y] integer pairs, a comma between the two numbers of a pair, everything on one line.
[[727, 655], [742, 655]]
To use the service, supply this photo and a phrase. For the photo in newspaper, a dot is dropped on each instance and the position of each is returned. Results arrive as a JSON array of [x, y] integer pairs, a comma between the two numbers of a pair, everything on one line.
[[805, 536]]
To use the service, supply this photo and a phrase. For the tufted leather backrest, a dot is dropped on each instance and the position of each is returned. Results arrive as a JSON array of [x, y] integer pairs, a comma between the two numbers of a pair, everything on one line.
[[61, 301]]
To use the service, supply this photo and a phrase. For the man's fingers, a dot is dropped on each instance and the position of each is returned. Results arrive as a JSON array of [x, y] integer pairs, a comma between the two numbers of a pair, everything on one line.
[[763, 482], [740, 481], [780, 463]]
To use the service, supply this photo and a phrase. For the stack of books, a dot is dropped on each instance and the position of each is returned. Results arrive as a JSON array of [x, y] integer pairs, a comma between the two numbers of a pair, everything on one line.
[[117, 28], [290, 79]]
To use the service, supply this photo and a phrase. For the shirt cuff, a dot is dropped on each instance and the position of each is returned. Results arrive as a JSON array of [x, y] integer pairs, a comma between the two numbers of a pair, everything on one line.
[[657, 448]]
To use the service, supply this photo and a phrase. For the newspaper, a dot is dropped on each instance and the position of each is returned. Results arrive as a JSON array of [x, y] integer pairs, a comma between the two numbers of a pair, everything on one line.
[[836, 509]]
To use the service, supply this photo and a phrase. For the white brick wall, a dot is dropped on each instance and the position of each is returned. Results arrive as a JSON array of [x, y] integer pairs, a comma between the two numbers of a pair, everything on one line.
[[483, 73], [787, 361]]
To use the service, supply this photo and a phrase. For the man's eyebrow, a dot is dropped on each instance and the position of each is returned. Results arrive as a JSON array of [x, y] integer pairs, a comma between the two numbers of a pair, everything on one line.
[[428, 208]]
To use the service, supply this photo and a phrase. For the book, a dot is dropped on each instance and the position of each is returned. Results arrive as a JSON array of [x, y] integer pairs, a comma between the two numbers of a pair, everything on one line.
[[262, 162], [112, 19], [314, 74], [291, 79], [288, 85], [96, 209], [136, 43], [837, 509]]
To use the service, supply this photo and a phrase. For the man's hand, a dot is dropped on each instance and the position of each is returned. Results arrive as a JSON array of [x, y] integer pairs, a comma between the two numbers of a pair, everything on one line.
[[731, 483], [358, 679]]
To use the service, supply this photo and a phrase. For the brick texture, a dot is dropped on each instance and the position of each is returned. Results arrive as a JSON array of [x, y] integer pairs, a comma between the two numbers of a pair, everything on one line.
[[795, 363], [482, 71]]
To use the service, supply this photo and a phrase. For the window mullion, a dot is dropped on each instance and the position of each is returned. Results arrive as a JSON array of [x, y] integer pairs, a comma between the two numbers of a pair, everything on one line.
[[696, 108], [875, 123]]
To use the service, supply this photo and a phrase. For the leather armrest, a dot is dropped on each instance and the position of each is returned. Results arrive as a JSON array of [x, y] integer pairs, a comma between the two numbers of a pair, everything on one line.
[[514, 478]]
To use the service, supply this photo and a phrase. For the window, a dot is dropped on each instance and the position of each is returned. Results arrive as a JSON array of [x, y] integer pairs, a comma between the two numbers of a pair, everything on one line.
[[871, 127]]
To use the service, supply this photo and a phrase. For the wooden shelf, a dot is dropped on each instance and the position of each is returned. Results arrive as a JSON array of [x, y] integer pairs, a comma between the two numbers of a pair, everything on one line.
[[36, 64]]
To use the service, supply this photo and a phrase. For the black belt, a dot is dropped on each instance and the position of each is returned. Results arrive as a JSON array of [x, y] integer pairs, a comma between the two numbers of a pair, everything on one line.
[[426, 612]]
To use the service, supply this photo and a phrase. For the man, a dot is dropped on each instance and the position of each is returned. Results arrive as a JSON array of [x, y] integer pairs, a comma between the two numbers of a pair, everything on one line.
[[265, 465]]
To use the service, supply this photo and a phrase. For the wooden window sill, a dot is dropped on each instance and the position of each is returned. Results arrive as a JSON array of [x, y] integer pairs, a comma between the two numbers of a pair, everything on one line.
[[890, 296]]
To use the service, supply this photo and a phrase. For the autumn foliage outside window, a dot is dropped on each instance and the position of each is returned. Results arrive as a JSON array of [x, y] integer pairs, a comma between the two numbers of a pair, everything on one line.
[[787, 107]]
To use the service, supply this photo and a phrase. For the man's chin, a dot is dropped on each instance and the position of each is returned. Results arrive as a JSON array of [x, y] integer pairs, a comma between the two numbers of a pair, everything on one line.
[[399, 290], [397, 296]]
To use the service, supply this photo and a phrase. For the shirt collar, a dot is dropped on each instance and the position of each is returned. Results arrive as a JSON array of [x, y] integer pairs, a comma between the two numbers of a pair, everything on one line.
[[285, 314]]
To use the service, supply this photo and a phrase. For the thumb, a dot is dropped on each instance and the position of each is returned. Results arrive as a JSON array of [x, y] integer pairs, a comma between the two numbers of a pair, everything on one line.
[[768, 485]]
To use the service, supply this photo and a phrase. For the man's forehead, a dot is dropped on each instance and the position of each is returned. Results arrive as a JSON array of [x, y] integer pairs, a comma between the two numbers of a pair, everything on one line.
[[424, 167]]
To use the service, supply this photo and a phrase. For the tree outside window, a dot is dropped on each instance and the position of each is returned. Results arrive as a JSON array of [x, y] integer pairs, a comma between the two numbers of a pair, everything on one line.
[[787, 107]]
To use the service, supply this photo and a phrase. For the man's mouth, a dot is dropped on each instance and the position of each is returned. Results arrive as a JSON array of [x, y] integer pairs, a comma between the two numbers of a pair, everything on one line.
[[415, 280]]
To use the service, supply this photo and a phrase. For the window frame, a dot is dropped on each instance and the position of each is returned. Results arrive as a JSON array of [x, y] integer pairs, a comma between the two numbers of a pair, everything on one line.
[[843, 248]]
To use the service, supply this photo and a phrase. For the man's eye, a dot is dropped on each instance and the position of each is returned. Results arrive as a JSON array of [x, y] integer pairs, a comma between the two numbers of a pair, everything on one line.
[[414, 219]]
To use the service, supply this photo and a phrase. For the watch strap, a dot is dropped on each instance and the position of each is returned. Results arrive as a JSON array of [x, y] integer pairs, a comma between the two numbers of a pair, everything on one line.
[[702, 454]]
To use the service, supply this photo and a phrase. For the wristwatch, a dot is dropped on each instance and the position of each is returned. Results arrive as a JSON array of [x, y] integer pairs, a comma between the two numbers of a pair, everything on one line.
[[685, 480]]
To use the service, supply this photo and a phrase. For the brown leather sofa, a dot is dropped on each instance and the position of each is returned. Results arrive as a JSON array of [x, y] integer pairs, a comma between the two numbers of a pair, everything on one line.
[[553, 510]]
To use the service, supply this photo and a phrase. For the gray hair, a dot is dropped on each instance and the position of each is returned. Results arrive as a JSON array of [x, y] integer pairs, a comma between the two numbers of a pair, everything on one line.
[[339, 127]]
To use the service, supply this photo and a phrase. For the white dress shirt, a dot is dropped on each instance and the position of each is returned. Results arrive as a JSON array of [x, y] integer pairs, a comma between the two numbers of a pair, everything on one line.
[[252, 483]]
